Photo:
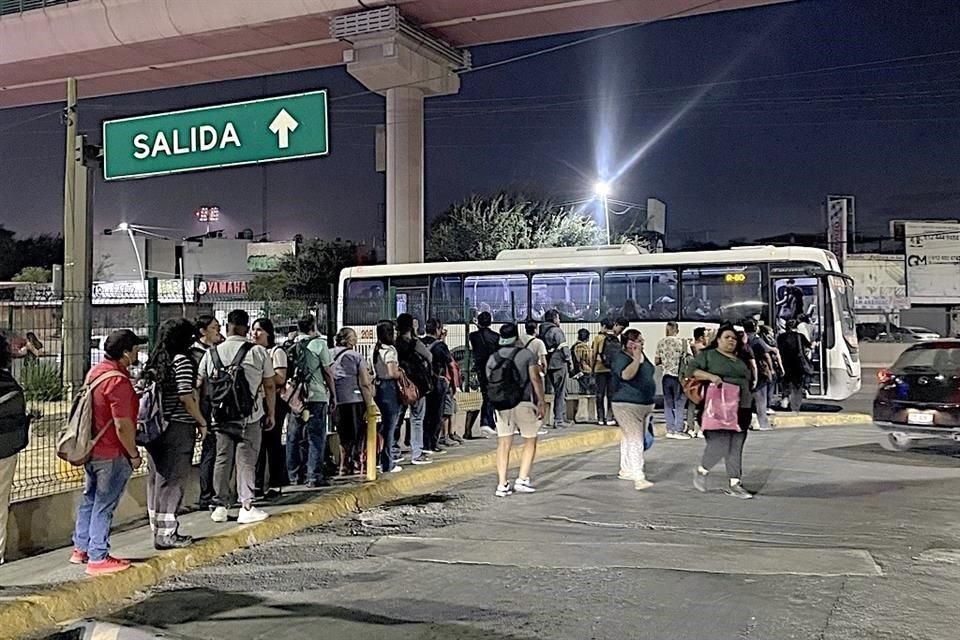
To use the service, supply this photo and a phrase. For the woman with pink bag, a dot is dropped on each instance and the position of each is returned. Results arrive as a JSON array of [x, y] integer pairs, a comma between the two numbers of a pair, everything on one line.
[[728, 409]]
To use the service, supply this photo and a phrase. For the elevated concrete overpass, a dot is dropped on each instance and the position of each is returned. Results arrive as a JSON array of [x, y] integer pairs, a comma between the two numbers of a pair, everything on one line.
[[123, 46]]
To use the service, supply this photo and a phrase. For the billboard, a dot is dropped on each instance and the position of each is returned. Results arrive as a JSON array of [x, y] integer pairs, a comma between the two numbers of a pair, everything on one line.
[[266, 256], [838, 210], [879, 282], [932, 262]]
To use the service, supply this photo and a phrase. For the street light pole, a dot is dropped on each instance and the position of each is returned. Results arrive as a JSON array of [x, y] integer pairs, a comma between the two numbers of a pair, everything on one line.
[[602, 190], [606, 216]]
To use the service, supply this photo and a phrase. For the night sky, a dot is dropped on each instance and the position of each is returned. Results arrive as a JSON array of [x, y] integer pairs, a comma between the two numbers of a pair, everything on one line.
[[784, 105]]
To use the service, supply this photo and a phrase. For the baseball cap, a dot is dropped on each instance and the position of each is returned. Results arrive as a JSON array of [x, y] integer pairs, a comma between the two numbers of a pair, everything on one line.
[[508, 334], [121, 341]]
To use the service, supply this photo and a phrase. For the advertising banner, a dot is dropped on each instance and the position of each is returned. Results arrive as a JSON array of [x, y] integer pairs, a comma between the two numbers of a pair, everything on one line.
[[933, 262]]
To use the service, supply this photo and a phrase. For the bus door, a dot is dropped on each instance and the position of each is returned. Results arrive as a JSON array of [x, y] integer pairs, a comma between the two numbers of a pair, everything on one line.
[[409, 295], [801, 297]]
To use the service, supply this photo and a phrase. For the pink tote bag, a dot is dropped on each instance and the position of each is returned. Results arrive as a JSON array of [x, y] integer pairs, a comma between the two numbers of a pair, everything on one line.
[[720, 408]]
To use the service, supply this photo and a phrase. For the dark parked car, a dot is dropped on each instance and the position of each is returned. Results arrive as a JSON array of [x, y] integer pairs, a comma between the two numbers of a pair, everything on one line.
[[919, 396]]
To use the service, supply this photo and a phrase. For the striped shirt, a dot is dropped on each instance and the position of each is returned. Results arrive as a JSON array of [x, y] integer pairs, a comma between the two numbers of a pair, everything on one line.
[[179, 381]]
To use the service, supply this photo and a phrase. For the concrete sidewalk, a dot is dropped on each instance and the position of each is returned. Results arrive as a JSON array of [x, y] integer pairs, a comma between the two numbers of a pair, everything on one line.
[[43, 591]]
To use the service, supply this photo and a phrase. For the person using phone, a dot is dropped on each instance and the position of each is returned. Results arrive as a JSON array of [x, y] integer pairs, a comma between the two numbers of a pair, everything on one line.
[[634, 390]]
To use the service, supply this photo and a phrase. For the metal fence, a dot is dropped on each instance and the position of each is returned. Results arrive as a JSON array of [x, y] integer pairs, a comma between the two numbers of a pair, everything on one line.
[[8, 7], [34, 329]]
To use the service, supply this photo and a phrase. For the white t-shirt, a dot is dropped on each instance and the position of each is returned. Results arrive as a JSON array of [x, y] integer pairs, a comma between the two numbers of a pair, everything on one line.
[[279, 357], [539, 349], [388, 354]]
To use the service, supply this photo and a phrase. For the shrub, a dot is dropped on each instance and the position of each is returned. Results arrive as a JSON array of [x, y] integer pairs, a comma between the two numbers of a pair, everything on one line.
[[41, 382]]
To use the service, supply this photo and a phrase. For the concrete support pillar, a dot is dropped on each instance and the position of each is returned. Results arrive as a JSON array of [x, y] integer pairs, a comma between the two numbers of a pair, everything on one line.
[[406, 72], [405, 226]]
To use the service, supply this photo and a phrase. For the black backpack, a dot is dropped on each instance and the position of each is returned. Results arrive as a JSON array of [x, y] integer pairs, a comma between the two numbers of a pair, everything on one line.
[[297, 366], [415, 366], [505, 386], [231, 400], [14, 421], [609, 350]]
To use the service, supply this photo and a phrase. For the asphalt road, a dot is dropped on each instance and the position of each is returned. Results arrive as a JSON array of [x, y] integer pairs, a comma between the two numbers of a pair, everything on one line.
[[843, 541]]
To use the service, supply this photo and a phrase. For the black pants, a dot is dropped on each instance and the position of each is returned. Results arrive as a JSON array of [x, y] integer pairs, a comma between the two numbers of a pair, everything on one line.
[[208, 456], [272, 462], [728, 446], [433, 420], [604, 399], [352, 429]]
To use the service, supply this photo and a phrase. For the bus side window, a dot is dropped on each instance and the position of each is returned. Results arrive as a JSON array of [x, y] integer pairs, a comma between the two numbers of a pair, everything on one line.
[[723, 294], [575, 295], [641, 294], [503, 296], [446, 299], [364, 301]]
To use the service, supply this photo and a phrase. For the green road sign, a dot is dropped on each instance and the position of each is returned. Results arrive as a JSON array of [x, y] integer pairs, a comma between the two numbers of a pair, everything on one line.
[[225, 135]]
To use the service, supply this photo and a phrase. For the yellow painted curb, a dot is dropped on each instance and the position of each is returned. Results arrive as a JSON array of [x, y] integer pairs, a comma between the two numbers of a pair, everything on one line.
[[819, 420], [44, 611]]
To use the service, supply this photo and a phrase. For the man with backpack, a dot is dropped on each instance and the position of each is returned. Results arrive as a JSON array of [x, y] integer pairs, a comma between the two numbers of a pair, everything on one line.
[[310, 379], [114, 455], [606, 345], [441, 359], [416, 362], [483, 343], [763, 389], [516, 392], [236, 377], [14, 433], [559, 364]]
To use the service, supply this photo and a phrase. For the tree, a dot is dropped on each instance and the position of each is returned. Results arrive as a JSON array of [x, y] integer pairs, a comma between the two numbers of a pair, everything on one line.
[[268, 286], [315, 268], [37, 275], [36, 251], [481, 227]]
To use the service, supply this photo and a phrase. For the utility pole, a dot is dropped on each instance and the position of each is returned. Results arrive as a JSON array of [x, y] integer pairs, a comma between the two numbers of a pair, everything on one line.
[[78, 252]]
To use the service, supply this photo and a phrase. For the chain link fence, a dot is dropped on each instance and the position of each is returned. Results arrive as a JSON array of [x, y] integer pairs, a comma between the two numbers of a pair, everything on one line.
[[34, 327]]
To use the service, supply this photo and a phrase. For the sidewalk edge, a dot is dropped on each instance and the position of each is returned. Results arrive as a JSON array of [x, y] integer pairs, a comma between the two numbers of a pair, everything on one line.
[[45, 611]]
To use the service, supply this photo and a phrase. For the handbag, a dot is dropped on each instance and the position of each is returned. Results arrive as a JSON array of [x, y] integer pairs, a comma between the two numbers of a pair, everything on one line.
[[721, 407]]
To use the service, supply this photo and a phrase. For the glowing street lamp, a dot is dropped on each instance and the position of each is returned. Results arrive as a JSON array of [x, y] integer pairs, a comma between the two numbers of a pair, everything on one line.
[[602, 191]]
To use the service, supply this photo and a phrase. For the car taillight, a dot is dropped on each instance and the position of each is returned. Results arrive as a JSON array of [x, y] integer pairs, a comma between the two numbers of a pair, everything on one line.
[[884, 376]]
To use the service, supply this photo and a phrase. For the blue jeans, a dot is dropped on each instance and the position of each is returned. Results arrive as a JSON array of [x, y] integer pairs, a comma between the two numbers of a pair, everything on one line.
[[417, 414], [761, 396], [105, 483], [390, 411], [674, 404], [316, 431]]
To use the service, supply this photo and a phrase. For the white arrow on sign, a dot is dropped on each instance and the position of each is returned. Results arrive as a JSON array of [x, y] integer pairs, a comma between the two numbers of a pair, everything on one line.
[[282, 125]]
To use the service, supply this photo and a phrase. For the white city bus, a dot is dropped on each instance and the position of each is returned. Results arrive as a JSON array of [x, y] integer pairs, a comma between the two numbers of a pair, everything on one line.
[[586, 284]]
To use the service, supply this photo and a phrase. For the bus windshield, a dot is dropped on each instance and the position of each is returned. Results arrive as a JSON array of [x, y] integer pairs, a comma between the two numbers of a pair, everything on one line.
[[842, 293]]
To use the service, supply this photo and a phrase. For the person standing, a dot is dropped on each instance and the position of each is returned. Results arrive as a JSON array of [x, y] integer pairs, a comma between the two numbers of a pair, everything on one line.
[[351, 376], [271, 475], [416, 361], [310, 362], [763, 389], [632, 403], [114, 456], [794, 347], [483, 342], [239, 429], [14, 435], [559, 363], [386, 371], [437, 399], [697, 344], [525, 417], [717, 364], [533, 343], [171, 454], [208, 330], [602, 359], [671, 352]]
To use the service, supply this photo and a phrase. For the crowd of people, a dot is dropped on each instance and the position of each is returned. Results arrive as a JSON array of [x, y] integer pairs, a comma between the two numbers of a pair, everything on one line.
[[261, 405]]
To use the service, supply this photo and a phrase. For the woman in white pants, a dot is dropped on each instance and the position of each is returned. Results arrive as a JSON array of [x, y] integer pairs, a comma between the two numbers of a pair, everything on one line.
[[634, 389]]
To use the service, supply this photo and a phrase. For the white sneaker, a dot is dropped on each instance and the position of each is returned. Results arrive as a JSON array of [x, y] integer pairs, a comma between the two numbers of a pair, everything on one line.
[[488, 431], [421, 460], [640, 485], [611, 423], [542, 431], [678, 436], [503, 490], [770, 411], [623, 475], [396, 469], [522, 485], [251, 515], [219, 514]]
